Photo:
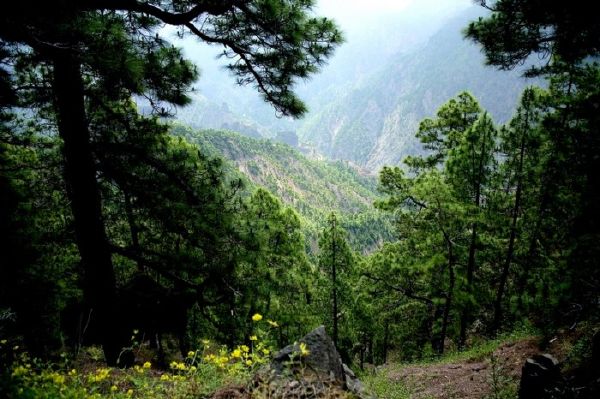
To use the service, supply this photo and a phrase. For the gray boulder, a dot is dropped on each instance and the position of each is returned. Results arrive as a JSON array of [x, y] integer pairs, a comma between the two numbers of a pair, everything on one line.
[[314, 374], [322, 359]]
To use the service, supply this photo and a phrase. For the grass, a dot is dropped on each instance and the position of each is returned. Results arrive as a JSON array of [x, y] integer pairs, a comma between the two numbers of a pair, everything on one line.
[[479, 351], [384, 387]]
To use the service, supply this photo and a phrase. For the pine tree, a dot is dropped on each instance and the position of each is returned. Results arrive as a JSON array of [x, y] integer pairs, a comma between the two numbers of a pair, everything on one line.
[[336, 260], [84, 52], [469, 167], [520, 146]]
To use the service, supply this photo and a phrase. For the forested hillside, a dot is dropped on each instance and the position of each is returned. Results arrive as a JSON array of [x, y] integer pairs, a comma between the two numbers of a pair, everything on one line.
[[373, 124], [314, 188], [142, 258]]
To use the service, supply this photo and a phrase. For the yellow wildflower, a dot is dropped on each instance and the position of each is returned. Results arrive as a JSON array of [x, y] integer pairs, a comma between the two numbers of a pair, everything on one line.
[[245, 348], [129, 392], [273, 323], [236, 353], [113, 388], [101, 375], [221, 360], [266, 352], [73, 372], [257, 317], [205, 341], [253, 338], [58, 379], [181, 366], [209, 358], [173, 365], [304, 349], [191, 354], [165, 377], [193, 368], [248, 362], [3, 342], [147, 365]]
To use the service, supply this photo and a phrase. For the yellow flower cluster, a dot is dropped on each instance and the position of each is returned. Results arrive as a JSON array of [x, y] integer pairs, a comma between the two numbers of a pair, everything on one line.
[[21, 370], [100, 375], [257, 317], [58, 379], [197, 365], [220, 360], [304, 349], [178, 366]]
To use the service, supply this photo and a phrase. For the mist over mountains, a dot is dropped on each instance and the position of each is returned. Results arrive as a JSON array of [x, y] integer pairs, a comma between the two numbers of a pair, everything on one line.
[[365, 106]]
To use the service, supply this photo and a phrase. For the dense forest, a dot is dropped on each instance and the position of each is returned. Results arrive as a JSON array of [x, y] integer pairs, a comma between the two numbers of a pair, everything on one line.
[[143, 257]]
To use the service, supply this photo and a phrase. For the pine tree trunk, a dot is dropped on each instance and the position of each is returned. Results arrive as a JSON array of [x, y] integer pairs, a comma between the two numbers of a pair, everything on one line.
[[465, 315], [386, 333], [448, 304], [334, 291], [133, 229], [511, 243], [82, 186]]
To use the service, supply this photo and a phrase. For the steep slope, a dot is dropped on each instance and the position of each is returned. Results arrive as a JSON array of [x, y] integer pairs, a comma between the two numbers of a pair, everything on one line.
[[372, 39], [374, 124], [312, 187]]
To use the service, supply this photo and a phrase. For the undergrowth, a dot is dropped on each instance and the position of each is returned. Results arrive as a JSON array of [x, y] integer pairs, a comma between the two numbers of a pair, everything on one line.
[[200, 373]]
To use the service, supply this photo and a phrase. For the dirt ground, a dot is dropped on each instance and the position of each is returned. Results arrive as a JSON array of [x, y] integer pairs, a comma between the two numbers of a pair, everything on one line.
[[469, 379]]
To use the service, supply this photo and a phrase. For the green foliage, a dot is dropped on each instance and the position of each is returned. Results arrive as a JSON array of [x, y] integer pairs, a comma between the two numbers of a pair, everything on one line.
[[132, 199], [336, 262], [502, 386], [312, 187], [483, 215], [201, 372], [516, 29], [564, 33]]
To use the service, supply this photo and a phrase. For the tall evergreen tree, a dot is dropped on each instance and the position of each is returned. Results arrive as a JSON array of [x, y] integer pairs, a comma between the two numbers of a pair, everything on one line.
[[92, 51], [444, 133], [567, 35], [431, 225], [520, 146], [336, 260], [469, 167]]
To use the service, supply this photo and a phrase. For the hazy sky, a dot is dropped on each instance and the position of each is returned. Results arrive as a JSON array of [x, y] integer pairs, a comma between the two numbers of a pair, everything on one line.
[[357, 9], [374, 29]]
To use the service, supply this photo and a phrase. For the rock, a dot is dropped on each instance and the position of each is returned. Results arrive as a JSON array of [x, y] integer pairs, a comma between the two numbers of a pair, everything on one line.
[[316, 374], [542, 379], [323, 357], [354, 385]]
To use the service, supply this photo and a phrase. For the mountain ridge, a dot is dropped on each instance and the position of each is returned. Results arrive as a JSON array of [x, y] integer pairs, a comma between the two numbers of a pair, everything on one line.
[[312, 187]]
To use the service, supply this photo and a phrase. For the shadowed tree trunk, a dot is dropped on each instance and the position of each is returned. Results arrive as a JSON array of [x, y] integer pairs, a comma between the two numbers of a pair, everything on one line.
[[83, 191], [449, 294], [511, 242]]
